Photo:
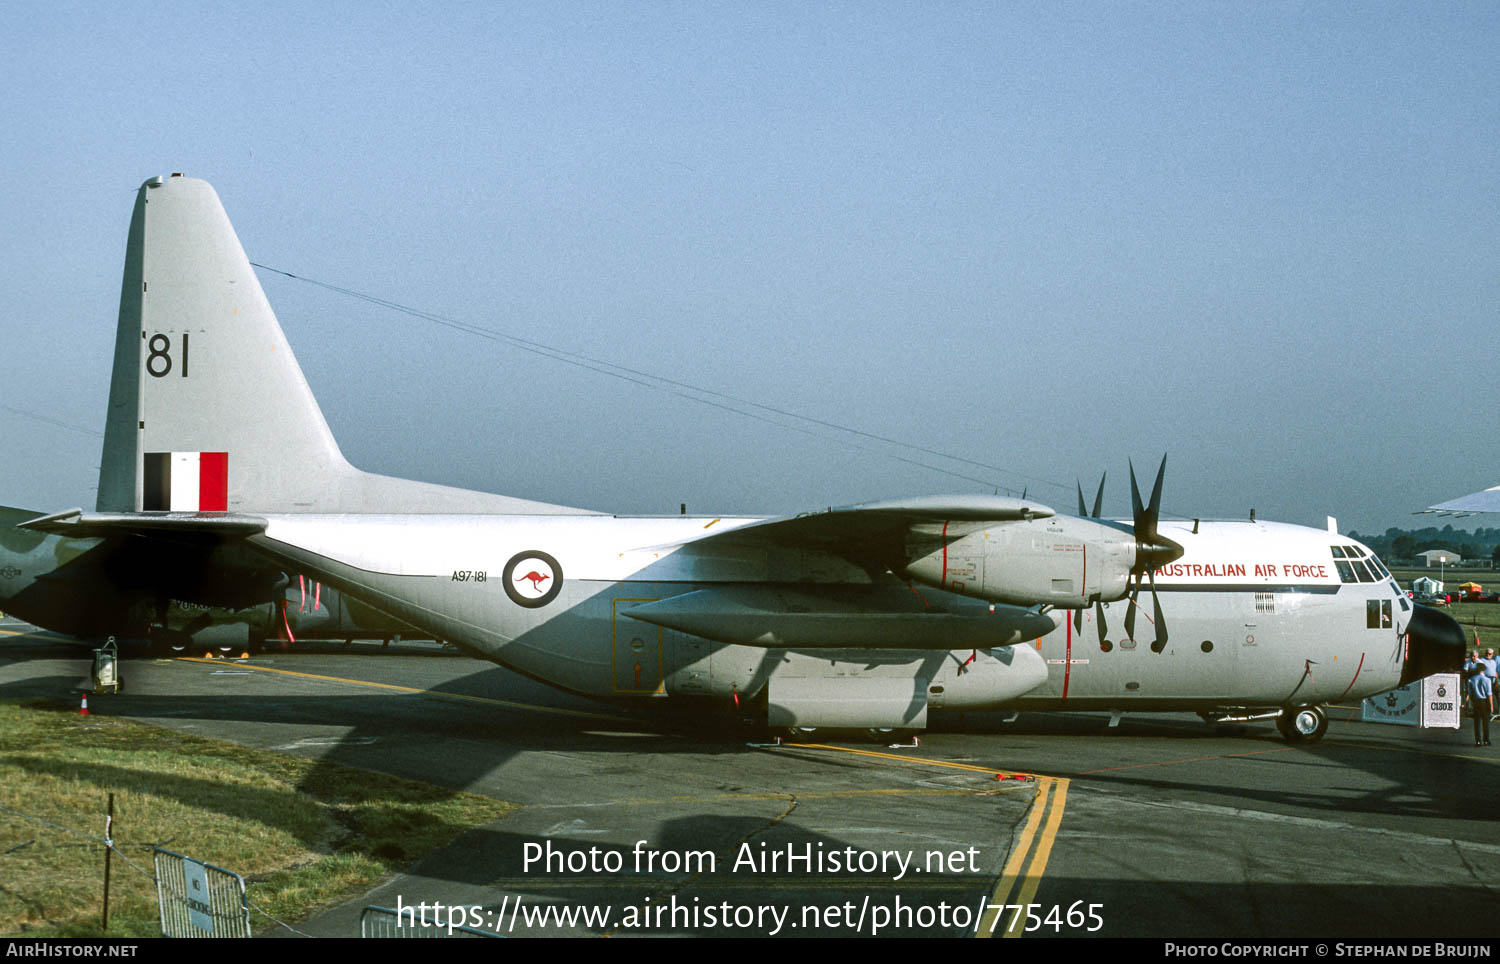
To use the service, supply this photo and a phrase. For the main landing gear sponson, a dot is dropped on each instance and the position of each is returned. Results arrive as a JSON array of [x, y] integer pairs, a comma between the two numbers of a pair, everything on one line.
[[1302, 724]]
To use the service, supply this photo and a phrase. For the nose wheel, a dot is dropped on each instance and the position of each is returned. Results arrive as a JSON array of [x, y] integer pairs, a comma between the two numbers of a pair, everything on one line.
[[1302, 724]]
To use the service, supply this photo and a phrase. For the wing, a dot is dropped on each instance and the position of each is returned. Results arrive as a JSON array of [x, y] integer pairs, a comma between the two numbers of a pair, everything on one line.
[[874, 535], [1486, 501]]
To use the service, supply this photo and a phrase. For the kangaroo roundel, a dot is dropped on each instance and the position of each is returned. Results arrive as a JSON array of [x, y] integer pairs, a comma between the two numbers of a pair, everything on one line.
[[532, 578]]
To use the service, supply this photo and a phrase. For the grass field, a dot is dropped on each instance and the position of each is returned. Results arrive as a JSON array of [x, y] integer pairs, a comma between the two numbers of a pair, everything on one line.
[[1481, 619], [303, 833]]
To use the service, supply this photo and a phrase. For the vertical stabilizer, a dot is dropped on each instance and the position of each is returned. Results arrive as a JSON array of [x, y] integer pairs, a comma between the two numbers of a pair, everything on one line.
[[208, 408]]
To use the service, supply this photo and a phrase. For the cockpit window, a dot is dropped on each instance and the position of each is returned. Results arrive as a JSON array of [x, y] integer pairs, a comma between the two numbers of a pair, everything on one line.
[[1361, 565]]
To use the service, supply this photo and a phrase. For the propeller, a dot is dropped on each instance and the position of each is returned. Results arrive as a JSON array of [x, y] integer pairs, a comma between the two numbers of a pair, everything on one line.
[[1152, 551], [1085, 514]]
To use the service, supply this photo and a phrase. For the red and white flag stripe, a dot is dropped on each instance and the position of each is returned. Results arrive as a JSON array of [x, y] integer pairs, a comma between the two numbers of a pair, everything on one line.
[[186, 481]]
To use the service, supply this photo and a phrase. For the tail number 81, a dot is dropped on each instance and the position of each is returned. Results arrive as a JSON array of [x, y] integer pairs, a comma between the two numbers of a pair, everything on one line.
[[159, 357]]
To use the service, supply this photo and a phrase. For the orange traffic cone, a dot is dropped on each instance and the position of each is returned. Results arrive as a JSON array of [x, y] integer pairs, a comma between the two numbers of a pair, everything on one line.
[[83, 710]]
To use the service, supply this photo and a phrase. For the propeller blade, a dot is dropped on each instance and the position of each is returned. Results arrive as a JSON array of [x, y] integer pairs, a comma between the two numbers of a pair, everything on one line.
[[1082, 511], [1130, 610], [1146, 516], [1152, 550], [1099, 617], [1078, 620], [1137, 509], [1161, 622], [1153, 511], [1098, 496]]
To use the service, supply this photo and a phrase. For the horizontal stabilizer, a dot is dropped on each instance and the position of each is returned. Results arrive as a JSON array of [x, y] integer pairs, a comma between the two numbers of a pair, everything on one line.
[[79, 524]]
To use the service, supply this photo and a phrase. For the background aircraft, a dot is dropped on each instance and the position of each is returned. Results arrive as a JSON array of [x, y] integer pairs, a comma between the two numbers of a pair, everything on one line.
[[181, 596], [219, 471], [1486, 500]]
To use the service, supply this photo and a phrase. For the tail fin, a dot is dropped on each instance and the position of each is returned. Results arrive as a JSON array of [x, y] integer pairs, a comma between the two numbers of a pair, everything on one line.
[[208, 408]]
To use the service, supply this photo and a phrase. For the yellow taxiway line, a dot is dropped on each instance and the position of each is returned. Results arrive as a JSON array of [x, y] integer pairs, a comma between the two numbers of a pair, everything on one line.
[[1027, 863], [1023, 871]]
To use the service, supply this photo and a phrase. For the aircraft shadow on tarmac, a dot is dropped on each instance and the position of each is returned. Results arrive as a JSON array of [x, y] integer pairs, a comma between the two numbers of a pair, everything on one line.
[[440, 738], [443, 736]]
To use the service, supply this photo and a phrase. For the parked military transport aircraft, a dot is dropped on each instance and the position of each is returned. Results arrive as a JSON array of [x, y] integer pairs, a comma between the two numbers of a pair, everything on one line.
[[219, 473]]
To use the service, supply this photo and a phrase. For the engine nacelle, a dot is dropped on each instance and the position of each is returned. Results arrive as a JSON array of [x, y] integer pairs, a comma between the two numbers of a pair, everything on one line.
[[1060, 561]]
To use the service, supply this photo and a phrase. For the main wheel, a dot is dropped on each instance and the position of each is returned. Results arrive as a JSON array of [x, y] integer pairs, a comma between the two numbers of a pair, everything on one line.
[[1302, 724]]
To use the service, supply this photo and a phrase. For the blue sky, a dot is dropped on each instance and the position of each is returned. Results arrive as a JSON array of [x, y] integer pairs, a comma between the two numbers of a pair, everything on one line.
[[1259, 237]]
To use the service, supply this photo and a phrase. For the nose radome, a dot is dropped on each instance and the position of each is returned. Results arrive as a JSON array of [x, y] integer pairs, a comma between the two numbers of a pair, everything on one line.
[[1435, 644]]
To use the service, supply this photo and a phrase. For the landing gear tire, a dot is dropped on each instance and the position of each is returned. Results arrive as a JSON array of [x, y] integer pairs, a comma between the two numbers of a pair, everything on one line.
[[1302, 724]]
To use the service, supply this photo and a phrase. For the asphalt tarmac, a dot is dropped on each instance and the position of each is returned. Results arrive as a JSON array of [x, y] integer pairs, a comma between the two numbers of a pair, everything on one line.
[[639, 823]]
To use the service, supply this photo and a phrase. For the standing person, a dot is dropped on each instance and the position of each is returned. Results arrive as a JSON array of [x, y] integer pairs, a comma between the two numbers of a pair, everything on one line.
[[1478, 688], [1470, 661], [1490, 665]]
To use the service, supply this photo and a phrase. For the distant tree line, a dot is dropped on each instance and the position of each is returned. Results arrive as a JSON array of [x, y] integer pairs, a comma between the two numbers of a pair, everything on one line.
[[1402, 545]]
